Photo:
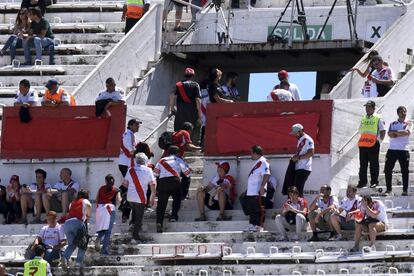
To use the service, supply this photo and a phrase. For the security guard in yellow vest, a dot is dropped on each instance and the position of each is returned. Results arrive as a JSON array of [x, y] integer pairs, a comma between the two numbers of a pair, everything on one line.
[[369, 145], [37, 266], [133, 11]]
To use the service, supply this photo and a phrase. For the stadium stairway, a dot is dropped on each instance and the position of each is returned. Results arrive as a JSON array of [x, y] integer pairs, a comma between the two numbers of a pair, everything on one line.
[[222, 248]]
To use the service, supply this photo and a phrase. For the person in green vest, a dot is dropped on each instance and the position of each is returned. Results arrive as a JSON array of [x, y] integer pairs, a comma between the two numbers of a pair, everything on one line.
[[37, 266], [371, 133]]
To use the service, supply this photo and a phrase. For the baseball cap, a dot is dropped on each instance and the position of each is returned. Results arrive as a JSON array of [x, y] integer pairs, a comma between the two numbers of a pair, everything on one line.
[[224, 165], [370, 103], [296, 128], [134, 121], [283, 74], [189, 71], [50, 83], [51, 214]]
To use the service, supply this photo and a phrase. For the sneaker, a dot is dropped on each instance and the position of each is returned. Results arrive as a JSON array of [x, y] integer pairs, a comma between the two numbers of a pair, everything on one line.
[[179, 29], [97, 245], [336, 237], [124, 220], [256, 228], [79, 265], [24, 221], [223, 217], [361, 185], [331, 235], [135, 241], [388, 193], [173, 219], [404, 193], [248, 228], [159, 228], [62, 220], [354, 249], [64, 263], [314, 238], [201, 218], [36, 221], [373, 248], [373, 185], [283, 239]]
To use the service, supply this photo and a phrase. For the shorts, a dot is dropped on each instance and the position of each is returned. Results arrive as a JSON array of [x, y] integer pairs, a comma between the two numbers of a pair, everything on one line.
[[169, 5], [56, 200], [322, 224], [215, 205], [346, 225]]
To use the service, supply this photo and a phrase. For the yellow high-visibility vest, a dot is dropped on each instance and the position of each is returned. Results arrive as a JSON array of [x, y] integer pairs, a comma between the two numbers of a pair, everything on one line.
[[368, 131]]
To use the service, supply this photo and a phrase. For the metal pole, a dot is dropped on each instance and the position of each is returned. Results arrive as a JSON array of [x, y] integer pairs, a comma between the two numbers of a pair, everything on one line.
[[158, 126], [228, 24], [355, 20], [290, 43]]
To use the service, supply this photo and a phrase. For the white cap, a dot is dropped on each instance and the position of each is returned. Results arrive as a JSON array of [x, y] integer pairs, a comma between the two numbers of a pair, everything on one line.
[[296, 128]]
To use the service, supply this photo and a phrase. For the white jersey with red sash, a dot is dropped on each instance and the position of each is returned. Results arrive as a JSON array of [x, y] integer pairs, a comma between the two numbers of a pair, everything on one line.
[[255, 178], [171, 166], [305, 143], [127, 145], [205, 100], [139, 178]]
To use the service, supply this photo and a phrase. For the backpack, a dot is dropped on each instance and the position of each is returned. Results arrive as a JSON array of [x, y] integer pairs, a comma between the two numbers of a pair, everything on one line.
[[165, 140]]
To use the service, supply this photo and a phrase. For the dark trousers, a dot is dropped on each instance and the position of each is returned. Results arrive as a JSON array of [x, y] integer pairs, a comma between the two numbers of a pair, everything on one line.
[[403, 157], [369, 155], [124, 206], [123, 169], [203, 132], [300, 179], [185, 185], [254, 209], [168, 186], [129, 24], [137, 217]]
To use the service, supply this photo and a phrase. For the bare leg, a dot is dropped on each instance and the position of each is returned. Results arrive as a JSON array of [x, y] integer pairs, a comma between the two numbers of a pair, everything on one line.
[[335, 224], [26, 203], [38, 205], [46, 203], [178, 15], [65, 203], [358, 232], [372, 233], [201, 195], [222, 201]]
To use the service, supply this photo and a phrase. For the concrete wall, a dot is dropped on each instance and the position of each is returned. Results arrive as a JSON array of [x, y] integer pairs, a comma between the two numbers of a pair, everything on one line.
[[392, 47], [126, 60], [89, 173], [241, 167], [251, 26]]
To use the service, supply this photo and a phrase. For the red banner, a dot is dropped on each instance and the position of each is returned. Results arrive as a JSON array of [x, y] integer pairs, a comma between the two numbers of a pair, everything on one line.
[[61, 133], [232, 129]]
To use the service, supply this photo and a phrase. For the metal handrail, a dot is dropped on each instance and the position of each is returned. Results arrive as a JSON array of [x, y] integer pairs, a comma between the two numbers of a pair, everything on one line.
[[158, 126], [353, 135]]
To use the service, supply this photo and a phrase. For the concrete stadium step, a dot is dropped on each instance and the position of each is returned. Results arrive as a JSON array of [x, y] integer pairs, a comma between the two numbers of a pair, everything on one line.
[[70, 80], [6, 92], [383, 154], [42, 70], [73, 49], [81, 38], [195, 161], [396, 177], [57, 28], [62, 59], [397, 168], [101, 270], [74, 6]]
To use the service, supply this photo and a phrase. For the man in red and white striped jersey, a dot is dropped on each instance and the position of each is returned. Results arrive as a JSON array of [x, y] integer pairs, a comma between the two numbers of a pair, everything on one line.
[[168, 169]]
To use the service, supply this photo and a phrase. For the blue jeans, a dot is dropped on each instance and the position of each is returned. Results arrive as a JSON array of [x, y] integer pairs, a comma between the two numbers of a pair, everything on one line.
[[13, 42], [39, 44], [106, 234], [72, 226]]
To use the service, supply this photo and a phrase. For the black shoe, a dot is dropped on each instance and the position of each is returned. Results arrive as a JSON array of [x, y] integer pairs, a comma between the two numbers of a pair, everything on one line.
[[332, 235], [361, 185], [159, 228], [179, 29], [404, 193], [201, 218], [373, 185], [314, 238], [173, 219]]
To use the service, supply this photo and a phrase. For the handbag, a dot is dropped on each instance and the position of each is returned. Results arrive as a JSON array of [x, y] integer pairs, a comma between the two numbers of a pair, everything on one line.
[[82, 236]]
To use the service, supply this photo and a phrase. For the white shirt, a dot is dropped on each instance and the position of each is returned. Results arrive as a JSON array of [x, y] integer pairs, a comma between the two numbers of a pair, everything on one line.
[[31, 97], [226, 185], [52, 236], [305, 143], [280, 95], [33, 186], [401, 142], [293, 89], [128, 140], [175, 163], [379, 206], [117, 96], [146, 178], [259, 170], [369, 90], [323, 206], [350, 204], [62, 187]]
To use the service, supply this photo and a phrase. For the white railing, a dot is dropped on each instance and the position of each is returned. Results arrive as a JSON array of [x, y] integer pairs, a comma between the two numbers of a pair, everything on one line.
[[126, 60]]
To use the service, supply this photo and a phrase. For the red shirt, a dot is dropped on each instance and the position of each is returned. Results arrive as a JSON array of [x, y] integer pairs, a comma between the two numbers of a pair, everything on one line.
[[180, 139], [105, 196], [76, 209]]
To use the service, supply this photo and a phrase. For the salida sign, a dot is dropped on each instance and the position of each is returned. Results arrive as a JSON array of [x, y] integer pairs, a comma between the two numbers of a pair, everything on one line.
[[313, 32]]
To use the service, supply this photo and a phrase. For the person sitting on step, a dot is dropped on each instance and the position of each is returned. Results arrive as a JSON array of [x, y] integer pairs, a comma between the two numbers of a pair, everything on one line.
[[371, 218], [217, 194], [321, 209], [293, 217]]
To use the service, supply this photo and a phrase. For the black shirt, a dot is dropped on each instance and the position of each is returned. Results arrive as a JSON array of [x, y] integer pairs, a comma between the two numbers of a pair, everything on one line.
[[215, 89], [40, 3], [42, 25], [192, 89]]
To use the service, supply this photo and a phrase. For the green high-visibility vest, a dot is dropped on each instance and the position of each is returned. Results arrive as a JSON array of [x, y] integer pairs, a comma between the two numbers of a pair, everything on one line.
[[368, 131], [35, 267]]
